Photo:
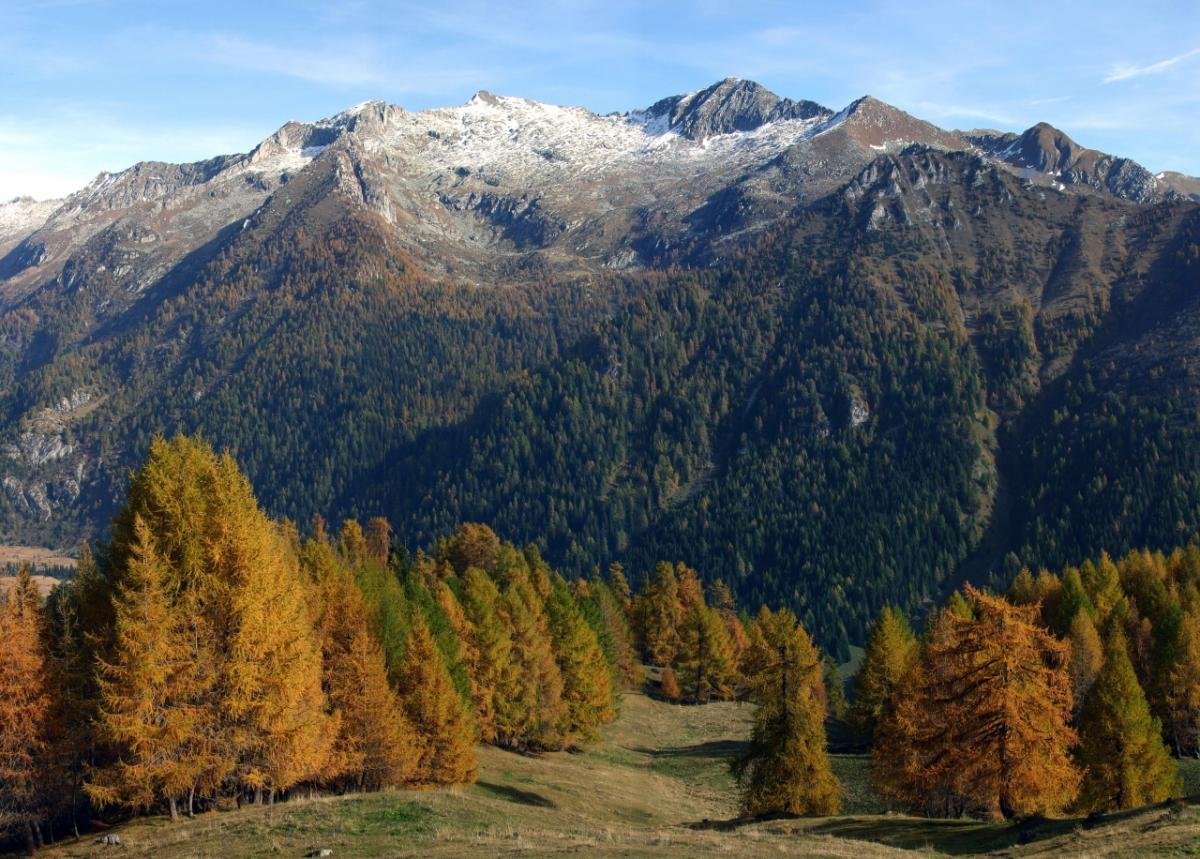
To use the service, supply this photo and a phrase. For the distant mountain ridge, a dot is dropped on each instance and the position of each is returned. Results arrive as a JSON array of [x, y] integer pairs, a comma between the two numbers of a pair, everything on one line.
[[838, 358]]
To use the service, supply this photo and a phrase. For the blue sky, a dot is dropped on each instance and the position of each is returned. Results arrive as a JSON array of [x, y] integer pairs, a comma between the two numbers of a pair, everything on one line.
[[88, 85]]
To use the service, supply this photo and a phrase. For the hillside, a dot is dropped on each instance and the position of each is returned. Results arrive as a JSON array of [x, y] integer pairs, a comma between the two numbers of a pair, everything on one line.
[[657, 785], [836, 358]]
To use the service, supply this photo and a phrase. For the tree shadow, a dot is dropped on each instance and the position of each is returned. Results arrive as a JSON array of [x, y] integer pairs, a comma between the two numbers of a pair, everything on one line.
[[513, 794], [958, 836], [710, 749]]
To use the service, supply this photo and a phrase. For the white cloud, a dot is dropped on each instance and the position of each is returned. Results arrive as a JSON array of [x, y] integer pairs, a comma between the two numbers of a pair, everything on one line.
[[346, 64], [1126, 71]]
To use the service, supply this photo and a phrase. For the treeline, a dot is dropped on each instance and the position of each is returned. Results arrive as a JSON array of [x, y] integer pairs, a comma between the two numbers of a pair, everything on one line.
[[206, 655], [1067, 694]]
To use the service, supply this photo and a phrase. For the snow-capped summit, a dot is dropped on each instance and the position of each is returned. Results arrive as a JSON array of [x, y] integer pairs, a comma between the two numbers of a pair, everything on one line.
[[502, 172]]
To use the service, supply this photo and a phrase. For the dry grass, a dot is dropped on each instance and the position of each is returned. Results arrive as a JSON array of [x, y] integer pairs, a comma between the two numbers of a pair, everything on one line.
[[44, 584], [656, 786], [34, 556]]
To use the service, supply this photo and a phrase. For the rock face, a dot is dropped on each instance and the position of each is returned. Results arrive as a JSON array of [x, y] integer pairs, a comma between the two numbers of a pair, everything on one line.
[[728, 106], [1050, 154]]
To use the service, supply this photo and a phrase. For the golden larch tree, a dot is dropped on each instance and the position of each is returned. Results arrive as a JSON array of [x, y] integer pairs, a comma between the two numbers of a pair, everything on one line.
[[1184, 699], [1086, 656], [986, 724], [25, 706], [374, 745], [150, 709], [445, 733], [490, 656], [659, 614], [587, 692], [705, 663], [1121, 749], [891, 649], [786, 766]]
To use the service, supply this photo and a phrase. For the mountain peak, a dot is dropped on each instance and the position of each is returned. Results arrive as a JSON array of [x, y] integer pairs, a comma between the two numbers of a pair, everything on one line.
[[730, 105]]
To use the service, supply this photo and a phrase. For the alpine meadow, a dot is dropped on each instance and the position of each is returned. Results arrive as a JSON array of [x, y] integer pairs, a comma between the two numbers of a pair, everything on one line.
[[733, 475]]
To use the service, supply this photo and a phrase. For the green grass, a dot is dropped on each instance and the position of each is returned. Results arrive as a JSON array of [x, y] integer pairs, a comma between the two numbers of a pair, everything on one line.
[[658, 784]]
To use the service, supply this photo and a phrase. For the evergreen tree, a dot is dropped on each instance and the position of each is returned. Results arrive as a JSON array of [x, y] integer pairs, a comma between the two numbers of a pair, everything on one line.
[[786, 767], [835, 691], [445, 734], [1102, 581], [611, 622], [889, 653], [1121, 749]]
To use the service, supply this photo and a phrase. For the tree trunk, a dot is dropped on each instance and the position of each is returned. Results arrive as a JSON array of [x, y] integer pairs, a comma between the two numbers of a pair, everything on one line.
[[30, 845], [74, 806], [258, 796], [192, 801], [174, 808]]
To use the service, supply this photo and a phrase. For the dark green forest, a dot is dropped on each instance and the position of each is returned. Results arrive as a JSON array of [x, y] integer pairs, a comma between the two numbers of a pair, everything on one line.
[[838, 412]]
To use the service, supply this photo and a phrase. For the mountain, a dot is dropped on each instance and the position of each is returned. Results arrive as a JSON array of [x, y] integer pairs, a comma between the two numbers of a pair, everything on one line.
[[838, 358], [1048, 154]]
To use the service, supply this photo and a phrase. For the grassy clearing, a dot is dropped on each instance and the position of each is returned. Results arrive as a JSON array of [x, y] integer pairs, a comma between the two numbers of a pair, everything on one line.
[[657, 785]]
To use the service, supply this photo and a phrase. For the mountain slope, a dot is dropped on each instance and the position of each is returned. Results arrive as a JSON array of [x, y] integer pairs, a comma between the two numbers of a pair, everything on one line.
[[838, 359]]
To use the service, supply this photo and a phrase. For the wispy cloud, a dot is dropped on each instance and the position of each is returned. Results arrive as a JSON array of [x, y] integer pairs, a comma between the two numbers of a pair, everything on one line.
[[348, 64], [1126, 71]]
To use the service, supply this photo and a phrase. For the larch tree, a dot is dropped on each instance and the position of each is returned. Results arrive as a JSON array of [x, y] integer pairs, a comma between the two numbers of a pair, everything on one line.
[[378, 536], [534, 714], [659, 616], [150, 710], [986, 727], [274, 696], [890, 650], [691, 592], [445, 733], [668, 685], [1185, 687], [243, 602], [25, 706], [705, 663], [1003, 679], [907, 742], [619, 585], [1086, 656], [494, 674], [786, 766], [1121, 749], [374, 743], [587, 692]]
